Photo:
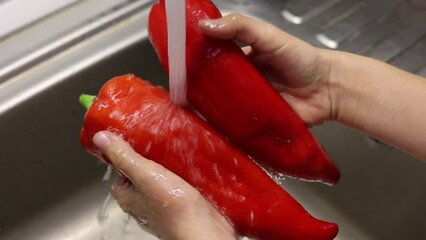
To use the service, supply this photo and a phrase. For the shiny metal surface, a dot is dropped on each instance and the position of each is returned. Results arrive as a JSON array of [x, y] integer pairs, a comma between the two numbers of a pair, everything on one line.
[[52, 189], [28, 48]]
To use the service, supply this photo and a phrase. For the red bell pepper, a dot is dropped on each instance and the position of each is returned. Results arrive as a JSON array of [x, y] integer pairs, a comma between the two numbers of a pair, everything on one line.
[[183, 143], [237, 100]]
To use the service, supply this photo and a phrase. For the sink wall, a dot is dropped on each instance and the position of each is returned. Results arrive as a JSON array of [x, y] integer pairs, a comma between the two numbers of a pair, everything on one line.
[[52, 189]]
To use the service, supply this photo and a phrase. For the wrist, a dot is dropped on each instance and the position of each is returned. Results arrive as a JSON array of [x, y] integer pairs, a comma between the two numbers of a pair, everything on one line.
[[334, 80], [345, 85]]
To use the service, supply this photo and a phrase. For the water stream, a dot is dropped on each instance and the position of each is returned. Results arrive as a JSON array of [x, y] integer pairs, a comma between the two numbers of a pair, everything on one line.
[[176, 25]]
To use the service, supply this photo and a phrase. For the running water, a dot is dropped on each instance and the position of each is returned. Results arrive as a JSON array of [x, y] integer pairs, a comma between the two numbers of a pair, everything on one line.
[[176, 27], [103, 211], [107, 174], [126, 225]]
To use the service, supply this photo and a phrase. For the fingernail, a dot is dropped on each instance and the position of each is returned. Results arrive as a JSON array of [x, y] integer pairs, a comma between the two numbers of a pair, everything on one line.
[[103, 139]]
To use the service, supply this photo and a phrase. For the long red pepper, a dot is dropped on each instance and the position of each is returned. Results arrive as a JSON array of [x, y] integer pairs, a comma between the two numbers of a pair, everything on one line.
[[235, 99], [180, 141]]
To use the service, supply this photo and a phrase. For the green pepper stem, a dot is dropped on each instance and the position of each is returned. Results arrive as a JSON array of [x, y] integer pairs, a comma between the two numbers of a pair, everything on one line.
[[86, 100]]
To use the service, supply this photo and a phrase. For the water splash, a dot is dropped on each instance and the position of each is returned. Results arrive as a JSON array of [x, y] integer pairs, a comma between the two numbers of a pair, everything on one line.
[[279, 178]]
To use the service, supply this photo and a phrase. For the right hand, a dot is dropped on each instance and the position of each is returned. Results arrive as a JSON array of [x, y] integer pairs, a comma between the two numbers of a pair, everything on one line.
[[299, 71]]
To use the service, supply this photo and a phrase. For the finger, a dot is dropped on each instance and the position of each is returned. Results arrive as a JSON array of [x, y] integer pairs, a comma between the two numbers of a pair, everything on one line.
[[122, 156], [248, 31], [170, 204], [128, 199], [184, 222], [141, 171], [150, 178], [132, 202]]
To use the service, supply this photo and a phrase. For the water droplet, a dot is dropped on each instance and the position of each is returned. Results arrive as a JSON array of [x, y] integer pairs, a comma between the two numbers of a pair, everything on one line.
[[235, 160], [142, 220], [158, 176], [165, 204], [177, 192], [213, 52], [101, 105], [277, 177], [243, 238], [251, 216], [148, 147]]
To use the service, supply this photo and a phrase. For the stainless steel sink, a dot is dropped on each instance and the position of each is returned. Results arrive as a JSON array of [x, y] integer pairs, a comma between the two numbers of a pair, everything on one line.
[[52, 189]]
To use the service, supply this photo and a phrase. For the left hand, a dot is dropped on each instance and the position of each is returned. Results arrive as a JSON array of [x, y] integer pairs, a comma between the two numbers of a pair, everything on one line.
[[300, 72], [160, 200]]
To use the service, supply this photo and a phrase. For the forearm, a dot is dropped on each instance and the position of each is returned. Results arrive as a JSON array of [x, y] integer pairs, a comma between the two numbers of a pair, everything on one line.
[[381, 100]]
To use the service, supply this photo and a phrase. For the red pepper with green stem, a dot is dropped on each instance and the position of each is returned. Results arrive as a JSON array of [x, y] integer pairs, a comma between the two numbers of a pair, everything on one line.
[[180, 141], [239, 102]]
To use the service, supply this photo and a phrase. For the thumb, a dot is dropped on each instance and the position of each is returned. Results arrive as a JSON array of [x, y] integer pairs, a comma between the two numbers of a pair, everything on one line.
[[150, 178]]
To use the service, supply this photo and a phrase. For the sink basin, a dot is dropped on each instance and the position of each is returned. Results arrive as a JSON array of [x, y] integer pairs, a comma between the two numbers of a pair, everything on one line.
[[52, 189]]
